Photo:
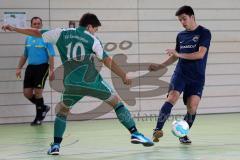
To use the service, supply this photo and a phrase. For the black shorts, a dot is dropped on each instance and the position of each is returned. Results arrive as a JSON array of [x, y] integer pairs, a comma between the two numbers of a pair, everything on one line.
[[35, 76]]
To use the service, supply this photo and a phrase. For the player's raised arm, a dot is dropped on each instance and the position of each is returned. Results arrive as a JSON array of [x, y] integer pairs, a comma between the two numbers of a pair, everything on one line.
[[117, 70], [28, 31], [155, 67], [108, 62]]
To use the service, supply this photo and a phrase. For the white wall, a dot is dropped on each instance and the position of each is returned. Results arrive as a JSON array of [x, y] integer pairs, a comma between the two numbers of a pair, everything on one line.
[[152, 27]]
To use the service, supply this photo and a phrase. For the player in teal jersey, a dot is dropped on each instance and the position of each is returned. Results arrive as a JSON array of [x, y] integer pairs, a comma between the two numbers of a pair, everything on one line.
[[77, 47]]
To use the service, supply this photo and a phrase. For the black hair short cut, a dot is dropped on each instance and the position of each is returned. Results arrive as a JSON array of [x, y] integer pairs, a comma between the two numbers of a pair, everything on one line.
[[89, 19], [36, 18], [185, 10]]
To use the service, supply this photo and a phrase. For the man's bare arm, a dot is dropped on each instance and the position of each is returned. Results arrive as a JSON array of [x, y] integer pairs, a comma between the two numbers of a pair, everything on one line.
[[26, 31], [190, 56], [170, 60], [51, 68], [21, 63], [116, 69]]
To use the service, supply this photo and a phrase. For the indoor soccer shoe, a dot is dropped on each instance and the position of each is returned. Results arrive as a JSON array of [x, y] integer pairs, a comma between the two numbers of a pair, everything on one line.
[[54, 150], [44, 113], [138, 138], [185, 140], [157, 134], [36, 122]]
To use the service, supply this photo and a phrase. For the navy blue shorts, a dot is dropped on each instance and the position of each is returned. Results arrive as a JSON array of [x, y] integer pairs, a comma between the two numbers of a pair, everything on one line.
[[188, 87]]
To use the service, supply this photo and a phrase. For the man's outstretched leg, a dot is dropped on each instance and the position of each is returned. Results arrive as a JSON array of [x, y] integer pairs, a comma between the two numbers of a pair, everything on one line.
[[164, 114], [127, 121], [59, 128]]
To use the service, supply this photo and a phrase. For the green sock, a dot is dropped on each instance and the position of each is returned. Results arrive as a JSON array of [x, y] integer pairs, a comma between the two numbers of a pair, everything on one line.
[[125, 117], [59, 127]]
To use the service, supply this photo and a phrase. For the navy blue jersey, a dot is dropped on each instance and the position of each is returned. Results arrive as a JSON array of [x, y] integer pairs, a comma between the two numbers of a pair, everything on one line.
[[189, 42]]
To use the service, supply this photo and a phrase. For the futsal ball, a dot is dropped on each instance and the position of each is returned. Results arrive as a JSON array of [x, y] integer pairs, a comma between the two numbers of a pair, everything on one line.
[[180, 128]]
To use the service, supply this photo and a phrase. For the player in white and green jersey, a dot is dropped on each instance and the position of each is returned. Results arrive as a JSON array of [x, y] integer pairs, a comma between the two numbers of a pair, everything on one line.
[[77, 47]]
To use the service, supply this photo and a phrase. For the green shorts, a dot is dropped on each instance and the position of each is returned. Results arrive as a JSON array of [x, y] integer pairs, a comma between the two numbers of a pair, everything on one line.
[[73, 92]]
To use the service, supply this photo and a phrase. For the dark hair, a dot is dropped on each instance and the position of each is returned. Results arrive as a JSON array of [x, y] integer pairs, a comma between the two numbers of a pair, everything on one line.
[[89, 18], [36, 18], [185, 10], [71, 24]]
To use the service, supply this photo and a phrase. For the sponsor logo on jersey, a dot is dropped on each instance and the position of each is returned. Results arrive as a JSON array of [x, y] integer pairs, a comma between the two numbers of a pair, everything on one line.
[[188, 46], [195, 38]]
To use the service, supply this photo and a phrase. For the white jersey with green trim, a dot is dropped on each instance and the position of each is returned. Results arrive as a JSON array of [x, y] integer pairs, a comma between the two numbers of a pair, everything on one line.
[[74, 44], [77, 49]]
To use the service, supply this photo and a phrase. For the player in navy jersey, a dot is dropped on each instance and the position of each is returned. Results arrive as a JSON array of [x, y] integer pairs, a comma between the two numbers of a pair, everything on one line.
[[191, 51]]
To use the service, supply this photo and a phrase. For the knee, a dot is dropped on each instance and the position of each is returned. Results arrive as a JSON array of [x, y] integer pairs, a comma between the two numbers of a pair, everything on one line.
[[62, 109], [27, 95], [172, 98], [113, 101], [192, 107]]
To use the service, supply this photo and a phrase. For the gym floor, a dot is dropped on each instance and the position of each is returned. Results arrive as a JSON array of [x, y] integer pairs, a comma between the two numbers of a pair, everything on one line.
[[214, 137]]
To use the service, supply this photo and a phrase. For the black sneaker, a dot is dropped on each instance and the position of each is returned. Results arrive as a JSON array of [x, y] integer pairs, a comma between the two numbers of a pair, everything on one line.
[[185, 140], [36, 122], [44, 112]]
